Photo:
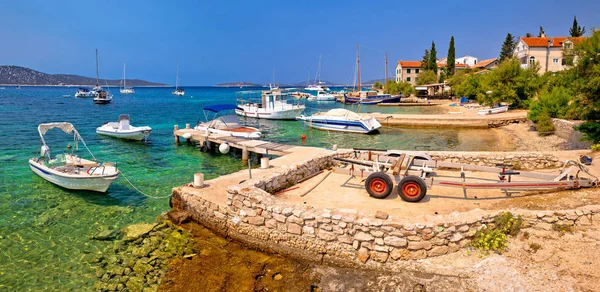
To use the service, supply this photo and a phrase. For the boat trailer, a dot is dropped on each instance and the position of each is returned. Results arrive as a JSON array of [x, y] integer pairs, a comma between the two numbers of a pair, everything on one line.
[[414, 173]]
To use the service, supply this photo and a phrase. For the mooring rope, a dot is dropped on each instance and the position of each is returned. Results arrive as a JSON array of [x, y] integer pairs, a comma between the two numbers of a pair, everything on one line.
[[133, 186]]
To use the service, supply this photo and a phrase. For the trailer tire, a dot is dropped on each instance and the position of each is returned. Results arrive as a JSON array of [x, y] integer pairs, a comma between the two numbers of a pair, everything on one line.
[[379, 185], [412, 189]]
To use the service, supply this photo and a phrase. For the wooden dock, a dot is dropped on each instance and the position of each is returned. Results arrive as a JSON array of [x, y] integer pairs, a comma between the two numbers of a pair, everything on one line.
[[246, 145], [408, 104]]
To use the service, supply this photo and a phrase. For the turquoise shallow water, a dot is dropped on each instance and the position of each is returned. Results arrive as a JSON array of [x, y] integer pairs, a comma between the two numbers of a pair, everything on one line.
[[45, 230]]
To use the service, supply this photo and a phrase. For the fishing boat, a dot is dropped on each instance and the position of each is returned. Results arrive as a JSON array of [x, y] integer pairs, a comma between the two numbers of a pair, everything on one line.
[[124, 130], [102, 96], [371, 97], [225, 124], [85, 93], [493, 110], [273, 105], [125, 89], [324, 96], [69, 170], [341, 120], [178, 91]]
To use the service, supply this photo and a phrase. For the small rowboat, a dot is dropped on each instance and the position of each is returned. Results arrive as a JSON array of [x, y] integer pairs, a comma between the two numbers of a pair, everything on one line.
[[494, 110], [123, 130]]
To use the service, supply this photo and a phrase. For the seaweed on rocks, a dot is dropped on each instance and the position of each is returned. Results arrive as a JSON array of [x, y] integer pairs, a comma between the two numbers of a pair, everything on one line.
[[139, 259]]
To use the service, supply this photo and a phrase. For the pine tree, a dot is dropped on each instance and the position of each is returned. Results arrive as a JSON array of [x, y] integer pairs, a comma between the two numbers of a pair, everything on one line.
[[541, 33], [507, 47], [432, 58], [576, 30], [425, 61], [451, 61]]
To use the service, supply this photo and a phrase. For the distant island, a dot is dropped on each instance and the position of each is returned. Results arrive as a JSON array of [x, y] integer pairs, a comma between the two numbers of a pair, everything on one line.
[[16, 75], [238, 84]]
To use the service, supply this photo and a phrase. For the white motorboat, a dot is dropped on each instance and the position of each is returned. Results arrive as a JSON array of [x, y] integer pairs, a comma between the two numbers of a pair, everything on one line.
[[324, 96], [125, 89], [85, 93], [318, 85], [341, 120], [226, 125], [273, 106], [124, 130], [493, 110], [68, 170], [178, 91]]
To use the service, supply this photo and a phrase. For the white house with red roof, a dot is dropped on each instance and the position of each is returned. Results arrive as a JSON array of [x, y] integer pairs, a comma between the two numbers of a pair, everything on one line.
[[547, 51]]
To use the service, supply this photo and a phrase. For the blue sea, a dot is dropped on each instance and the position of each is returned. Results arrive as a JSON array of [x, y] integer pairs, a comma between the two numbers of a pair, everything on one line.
[[45, 231]]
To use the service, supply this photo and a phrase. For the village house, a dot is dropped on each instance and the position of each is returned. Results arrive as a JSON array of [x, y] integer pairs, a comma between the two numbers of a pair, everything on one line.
[[409, 70], [466, 60], [547, 51], [487, 64]]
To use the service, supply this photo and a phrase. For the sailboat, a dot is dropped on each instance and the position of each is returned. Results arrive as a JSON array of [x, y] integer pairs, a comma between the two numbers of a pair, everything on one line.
[[125, 89], [318, 84], [178, 91], [367, 97], [102, 97]]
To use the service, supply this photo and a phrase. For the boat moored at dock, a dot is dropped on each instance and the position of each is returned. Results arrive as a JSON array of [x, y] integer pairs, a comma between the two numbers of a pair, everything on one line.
[[124, 130], [67, 169], [341, 120], [85, 93], [226, 124], [273, 105]]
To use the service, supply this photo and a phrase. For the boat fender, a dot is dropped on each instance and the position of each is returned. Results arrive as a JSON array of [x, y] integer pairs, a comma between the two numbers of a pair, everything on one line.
[[224, 148]]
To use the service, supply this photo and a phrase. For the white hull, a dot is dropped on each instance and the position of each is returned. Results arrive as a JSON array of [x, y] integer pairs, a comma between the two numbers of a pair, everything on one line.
[[135, 133], [127, 91], [178, 93], [341, 123], [89, 94], [106, 100], [256, 134], [261, 113], [94, 181], [495, 110]]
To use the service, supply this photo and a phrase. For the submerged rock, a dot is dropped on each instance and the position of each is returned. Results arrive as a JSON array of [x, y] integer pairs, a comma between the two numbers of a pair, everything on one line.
[[133, 232], [106, 234]]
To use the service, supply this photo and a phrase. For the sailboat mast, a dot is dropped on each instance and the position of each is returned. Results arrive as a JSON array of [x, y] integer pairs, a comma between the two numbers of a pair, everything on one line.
[[358, 64], [97, 82], [177, 77], [386, 73], [124, 82]]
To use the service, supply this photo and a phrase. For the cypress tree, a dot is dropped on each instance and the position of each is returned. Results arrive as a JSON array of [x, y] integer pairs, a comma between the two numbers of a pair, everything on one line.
[[576, 30], [451, 61], [425, 61], [507, 47], [432, 58]]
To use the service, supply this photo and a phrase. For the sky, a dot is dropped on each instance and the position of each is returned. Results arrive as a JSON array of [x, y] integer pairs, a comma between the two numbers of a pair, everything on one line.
[[264, 41]]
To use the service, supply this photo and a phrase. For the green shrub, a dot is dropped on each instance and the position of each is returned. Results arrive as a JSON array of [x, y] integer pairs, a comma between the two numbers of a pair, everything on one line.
[[596, 147], [590, 130], [508, 224], [563, 228], [535, 246], [544, 124], [496, 238]]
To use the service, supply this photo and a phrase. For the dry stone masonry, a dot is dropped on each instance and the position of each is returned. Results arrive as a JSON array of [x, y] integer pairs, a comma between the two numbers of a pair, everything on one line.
[[350, 237], [521, 160]]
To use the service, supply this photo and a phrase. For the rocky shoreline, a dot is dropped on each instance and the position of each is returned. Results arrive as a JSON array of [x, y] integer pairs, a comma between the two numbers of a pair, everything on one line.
[[138, 260]]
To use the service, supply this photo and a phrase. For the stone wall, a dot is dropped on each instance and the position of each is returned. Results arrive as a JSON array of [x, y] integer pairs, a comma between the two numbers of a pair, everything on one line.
[[565, 129], [496, 123], [348, 237], [521, 160]]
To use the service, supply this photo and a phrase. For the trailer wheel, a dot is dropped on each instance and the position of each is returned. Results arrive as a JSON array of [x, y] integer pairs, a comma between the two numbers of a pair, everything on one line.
[[412, 189], [379, 185]]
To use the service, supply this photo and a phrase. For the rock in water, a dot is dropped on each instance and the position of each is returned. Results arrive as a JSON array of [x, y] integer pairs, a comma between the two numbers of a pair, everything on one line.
[[133, 232], [106, 234]]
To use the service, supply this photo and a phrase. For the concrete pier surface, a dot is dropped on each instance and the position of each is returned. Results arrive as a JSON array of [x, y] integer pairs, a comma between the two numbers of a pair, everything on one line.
[[468, 118]]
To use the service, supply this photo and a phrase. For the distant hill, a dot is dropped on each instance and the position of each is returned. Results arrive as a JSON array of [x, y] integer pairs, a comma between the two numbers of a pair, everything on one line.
[[371, 82], [10, 75], [238, 84]]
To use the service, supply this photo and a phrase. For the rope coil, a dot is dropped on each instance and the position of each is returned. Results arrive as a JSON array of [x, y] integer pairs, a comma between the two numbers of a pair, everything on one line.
[[133, 186]]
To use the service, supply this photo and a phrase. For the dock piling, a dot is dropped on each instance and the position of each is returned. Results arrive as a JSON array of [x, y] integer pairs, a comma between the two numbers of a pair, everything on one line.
[[187, 126], [264, 162], [175, 128], [245, 155], [199, 180]]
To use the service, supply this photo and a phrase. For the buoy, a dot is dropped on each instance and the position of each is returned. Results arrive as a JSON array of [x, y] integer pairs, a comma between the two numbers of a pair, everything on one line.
[[303, 137], [224, 148], [187, 135], [198, 180]]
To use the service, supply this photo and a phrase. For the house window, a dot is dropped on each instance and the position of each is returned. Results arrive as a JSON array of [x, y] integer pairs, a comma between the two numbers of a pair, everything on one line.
[[417, 71], [408, 79], [532, 60], [407, 71], [555, 61], [474, 62]]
